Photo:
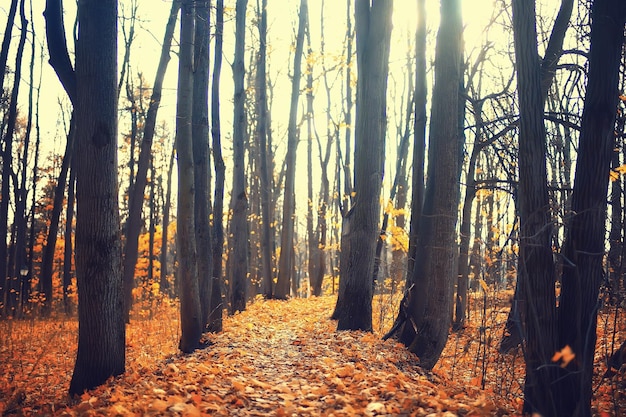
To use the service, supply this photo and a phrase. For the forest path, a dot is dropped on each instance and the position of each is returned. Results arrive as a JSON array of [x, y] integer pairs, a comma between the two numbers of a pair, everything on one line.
[[277, 358]]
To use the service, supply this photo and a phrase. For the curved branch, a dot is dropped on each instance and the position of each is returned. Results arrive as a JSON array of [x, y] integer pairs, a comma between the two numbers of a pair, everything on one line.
[[57, 47], [554, 50]]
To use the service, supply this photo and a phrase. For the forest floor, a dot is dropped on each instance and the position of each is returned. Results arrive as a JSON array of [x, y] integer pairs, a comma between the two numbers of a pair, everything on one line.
[[276, 358]]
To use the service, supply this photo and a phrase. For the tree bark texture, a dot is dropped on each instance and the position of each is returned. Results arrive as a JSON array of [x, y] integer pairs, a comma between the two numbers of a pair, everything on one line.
[[436, 256], [57, 47], [238, 257], [419, 145], [217, 306], [201, 156], [536, 272], [101, 333], [512, 335], [262, 136], [190, 313], [373, 34], [584, 247]]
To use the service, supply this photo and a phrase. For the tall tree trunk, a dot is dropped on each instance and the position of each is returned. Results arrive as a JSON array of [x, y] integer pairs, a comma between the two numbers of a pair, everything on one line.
[[361, 229], [238, 256], [399, 247], [262, 134], [399, 174], [164, 283], [536, 273], [512, 335], [68, 253], [312, 235], [202, 166], [217, 307], [29, 237], [347, 166], [101, 334], [136, 198], [60, 61], [584, 246], [466, 221], [21, 212], [419, 145], [47, 262], [320, 253], [6, 42], [460, 305], [614, 257], [35, 174], [285, 266], [14, 290], [152, 207], [190, 312], [425, 329]]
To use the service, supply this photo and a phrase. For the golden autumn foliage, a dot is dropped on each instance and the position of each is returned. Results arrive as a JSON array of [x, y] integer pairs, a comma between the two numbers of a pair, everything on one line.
[[277, 359]]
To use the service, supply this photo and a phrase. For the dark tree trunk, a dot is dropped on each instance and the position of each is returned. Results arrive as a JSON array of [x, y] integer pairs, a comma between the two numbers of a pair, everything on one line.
[[34, 230], [47, 262], [21, 192], [555, 45], [262, 135], [312, 234], [319, 262], [101, 335], [57, 47], [536, 273], [361, 223], [15, 287], [60, 61], [164, 283], [419, 145], [238, 256], [399, 176], [285, 266], [190, 311], [136, 198], [584, 246], [153, 213], [512, 335], [347, 165], [464, 231], [6, 42], [217, 306], [615, 235], [68, 254], [201, 156], [436, 256]]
